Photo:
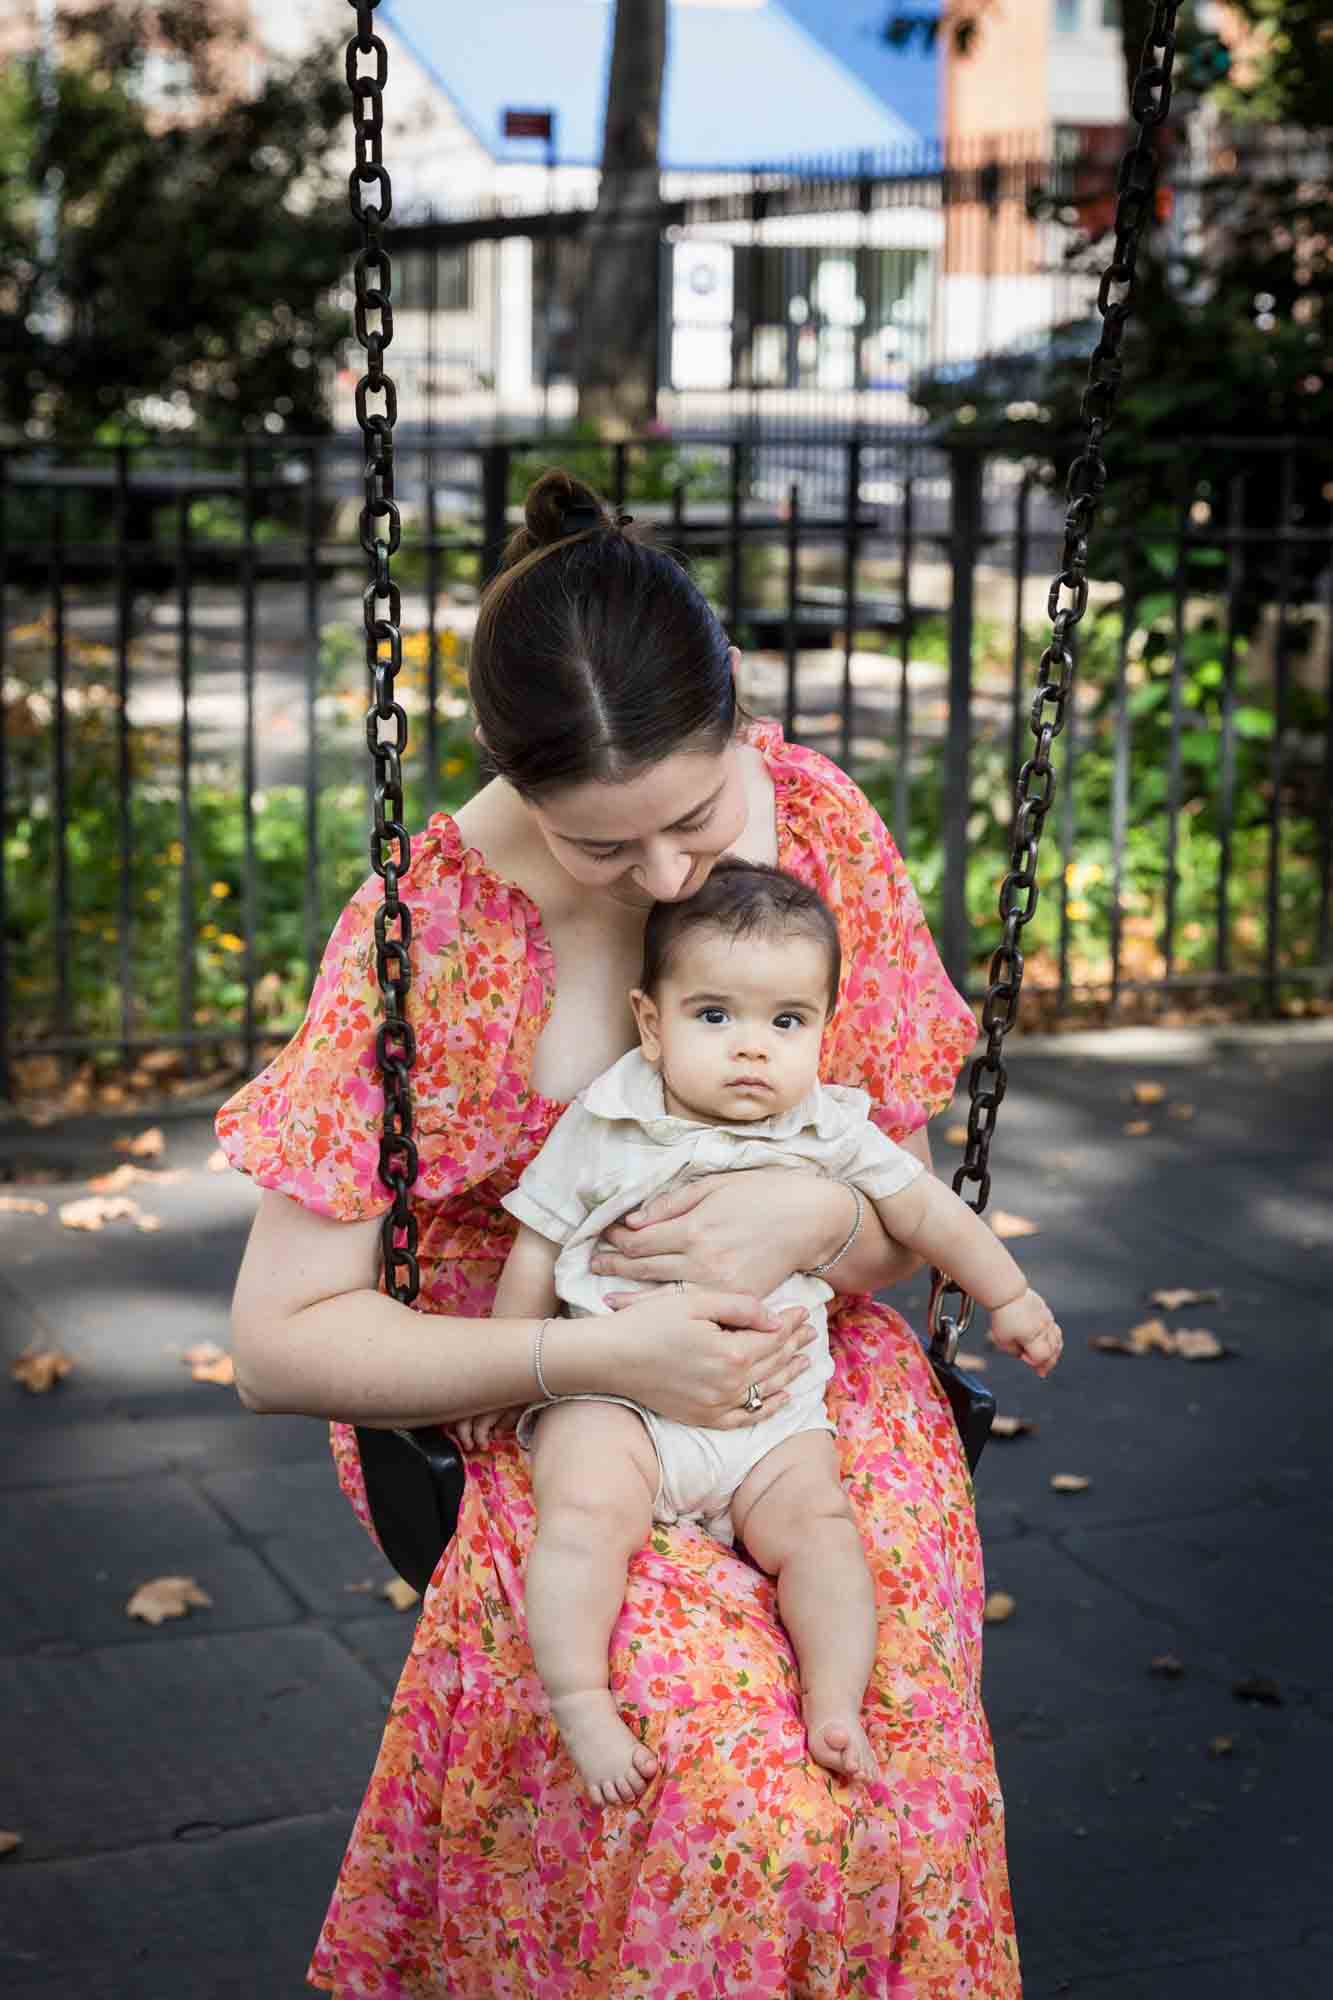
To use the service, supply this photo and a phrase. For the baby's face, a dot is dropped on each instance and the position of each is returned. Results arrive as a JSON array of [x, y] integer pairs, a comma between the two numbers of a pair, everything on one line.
[[736, 1026]]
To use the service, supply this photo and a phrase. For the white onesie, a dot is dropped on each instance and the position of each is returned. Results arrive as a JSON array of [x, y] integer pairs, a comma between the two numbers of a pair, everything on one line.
[[614, 1148]]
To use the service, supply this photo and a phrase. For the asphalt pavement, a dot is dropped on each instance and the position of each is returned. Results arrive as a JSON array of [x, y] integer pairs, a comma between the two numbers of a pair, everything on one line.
[[183, 1791]]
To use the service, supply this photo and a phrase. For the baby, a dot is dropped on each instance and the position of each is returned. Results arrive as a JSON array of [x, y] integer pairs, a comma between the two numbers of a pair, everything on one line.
[[738, 982]]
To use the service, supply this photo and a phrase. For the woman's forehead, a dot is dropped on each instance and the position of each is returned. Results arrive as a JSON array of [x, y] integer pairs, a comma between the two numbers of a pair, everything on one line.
[[649, 803]]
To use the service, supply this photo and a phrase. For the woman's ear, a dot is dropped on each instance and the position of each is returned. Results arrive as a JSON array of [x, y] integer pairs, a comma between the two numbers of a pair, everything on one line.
[[479, 738], [645, 1016], [734, 655]]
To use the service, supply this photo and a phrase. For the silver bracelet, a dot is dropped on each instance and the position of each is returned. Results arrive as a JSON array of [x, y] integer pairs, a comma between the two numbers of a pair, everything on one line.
[[817, 1270], [537, 1360]]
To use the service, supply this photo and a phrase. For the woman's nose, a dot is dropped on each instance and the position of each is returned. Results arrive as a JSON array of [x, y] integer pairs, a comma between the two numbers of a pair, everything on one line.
[[663, 877]]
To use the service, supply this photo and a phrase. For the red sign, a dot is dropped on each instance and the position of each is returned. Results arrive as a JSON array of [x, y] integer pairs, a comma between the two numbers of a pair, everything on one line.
[[527, 124]]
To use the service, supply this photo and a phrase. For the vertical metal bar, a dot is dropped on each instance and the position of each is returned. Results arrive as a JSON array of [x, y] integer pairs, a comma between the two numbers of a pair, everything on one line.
[[619, 486], [248, 886], [432, 782], [1325, 833], [851, 555], [1226, 770], [1281, 664], [1120, 764], [793, 579], [184, 665], [734, 543], [966, 471], [125, 557], [494, 506], [60, 790], [1173, 772], [6, 1081], [310, 918], [902, 777], [1021, 528]]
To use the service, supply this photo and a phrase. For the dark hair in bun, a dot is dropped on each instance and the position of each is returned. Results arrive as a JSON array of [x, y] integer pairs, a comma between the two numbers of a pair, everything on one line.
[[595, 656]]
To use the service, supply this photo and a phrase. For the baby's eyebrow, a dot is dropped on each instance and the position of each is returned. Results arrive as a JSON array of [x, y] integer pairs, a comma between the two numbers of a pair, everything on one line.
[[725, 1000]]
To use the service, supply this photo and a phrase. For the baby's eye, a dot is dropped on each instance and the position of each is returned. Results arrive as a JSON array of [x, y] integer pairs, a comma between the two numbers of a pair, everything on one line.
[[795, 1019], [713, 1015]]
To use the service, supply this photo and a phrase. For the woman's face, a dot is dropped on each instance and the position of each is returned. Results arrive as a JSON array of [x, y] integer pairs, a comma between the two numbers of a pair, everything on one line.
[[653, 838]]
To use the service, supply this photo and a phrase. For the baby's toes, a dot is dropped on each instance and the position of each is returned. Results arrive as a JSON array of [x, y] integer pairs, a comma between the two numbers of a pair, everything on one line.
[[645, 1763]]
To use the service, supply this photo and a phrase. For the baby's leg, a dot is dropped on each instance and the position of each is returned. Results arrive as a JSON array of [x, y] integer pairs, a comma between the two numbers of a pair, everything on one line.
[[594, 1475], [797, 1523]]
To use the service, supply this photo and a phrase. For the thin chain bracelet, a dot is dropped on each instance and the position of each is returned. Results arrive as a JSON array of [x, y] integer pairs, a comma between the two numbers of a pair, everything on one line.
[[817, 1270], [537, 1358]]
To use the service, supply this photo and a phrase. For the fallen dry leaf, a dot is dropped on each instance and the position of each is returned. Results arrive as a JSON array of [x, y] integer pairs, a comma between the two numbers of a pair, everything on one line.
[[1259, 1688], [96, 1209], [202, 1353], [217, 1162], [1005, 1224], [1148, 1093], [1069, 1482], [1195, 1343], [1109, 1343], [1170, 1300], [9, 1841], [1167, 1666], [21, 1204], [125, 1176], [1137, 1128], [1011, 1427], [40, 1368], [366, 1584], [998, 1606], [1221, 1746], [144, 1145], [966, 1359], [1150, 1334], [955, 1135], [400, 1594], [166, 1597], [1180, 1110], [222, 1371]]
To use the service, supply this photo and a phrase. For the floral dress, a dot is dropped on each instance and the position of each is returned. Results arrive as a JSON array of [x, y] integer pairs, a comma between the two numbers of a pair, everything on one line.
[[477, 1869]]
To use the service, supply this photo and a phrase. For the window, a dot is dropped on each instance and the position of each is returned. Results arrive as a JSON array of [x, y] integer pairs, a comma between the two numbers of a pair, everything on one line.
[[412, 279], [1066, 15]]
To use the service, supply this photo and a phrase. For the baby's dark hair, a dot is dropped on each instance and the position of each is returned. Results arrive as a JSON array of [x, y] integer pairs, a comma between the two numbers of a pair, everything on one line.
[[742, 898]]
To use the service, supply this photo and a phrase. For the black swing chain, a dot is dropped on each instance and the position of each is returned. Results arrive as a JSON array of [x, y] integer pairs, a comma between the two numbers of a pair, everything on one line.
[[381, 533], [1036, 783]]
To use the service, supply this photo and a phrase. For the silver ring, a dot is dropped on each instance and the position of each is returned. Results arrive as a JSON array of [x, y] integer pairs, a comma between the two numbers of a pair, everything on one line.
[[753, 1399]]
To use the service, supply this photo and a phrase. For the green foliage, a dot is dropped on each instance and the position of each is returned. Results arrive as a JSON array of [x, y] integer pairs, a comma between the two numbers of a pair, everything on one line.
[[191, 285]]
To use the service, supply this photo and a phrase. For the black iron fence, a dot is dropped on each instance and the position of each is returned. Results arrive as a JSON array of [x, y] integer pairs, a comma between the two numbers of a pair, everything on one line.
[[183, 770]]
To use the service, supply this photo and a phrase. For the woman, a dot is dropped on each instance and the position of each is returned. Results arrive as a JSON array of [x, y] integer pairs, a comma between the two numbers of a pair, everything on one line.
[[604, 692]]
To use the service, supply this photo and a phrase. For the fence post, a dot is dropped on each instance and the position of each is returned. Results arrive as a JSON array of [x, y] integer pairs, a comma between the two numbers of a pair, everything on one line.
[[494, 503], [965, 483]]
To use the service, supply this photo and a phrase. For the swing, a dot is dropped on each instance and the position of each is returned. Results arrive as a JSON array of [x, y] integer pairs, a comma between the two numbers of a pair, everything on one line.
[[414, 1478]]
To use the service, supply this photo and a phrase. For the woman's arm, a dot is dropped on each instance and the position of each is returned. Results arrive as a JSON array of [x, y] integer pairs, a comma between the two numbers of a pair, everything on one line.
[[312, 1336]]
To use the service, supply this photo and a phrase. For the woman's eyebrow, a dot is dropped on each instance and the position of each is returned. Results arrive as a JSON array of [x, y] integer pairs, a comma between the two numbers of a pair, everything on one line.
[[610, 840]]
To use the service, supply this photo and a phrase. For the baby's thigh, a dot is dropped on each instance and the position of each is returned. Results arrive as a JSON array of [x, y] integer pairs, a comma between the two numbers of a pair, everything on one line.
[[772, 1508], [597, 1459]]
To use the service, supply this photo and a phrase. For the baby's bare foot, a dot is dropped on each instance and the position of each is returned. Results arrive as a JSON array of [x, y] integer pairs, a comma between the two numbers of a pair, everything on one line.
[[836, 1738], [612, 1764]]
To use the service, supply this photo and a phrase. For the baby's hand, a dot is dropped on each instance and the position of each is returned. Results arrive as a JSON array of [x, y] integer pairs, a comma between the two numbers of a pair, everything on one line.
[[1027, 1327], [475, 1433]]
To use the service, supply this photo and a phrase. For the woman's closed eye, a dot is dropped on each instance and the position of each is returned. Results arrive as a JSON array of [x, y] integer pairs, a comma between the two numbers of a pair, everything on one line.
[[613, 853]]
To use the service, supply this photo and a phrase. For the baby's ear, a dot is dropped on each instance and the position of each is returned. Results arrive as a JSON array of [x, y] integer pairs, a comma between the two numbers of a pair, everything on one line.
[[645, 1019]]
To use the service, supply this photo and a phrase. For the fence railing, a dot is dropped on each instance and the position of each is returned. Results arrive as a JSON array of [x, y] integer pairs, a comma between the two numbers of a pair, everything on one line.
[[182, 748]]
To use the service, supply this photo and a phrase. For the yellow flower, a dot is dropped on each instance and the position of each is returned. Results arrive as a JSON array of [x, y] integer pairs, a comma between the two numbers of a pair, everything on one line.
[[209, 931], [175, 854], [219, 888], [230, 942], [453, 766], [1079, 911]]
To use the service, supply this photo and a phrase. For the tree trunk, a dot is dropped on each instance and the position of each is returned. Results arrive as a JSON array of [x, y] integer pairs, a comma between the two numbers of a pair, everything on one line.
[[617, 344]]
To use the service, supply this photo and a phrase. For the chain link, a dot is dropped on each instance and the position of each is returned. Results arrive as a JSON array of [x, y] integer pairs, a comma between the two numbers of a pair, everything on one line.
[[381, 533], [1150, 102]]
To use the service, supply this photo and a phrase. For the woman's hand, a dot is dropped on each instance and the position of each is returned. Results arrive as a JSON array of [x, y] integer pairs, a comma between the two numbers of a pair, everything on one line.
[[692, 1355], [706, 1233]]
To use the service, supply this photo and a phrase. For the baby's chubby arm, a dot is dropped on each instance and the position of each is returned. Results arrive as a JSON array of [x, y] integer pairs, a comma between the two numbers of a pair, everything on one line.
[[931, 1219], [526, 1291]]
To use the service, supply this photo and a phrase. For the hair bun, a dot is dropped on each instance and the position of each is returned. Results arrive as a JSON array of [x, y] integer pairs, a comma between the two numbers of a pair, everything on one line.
[[558, 506]]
